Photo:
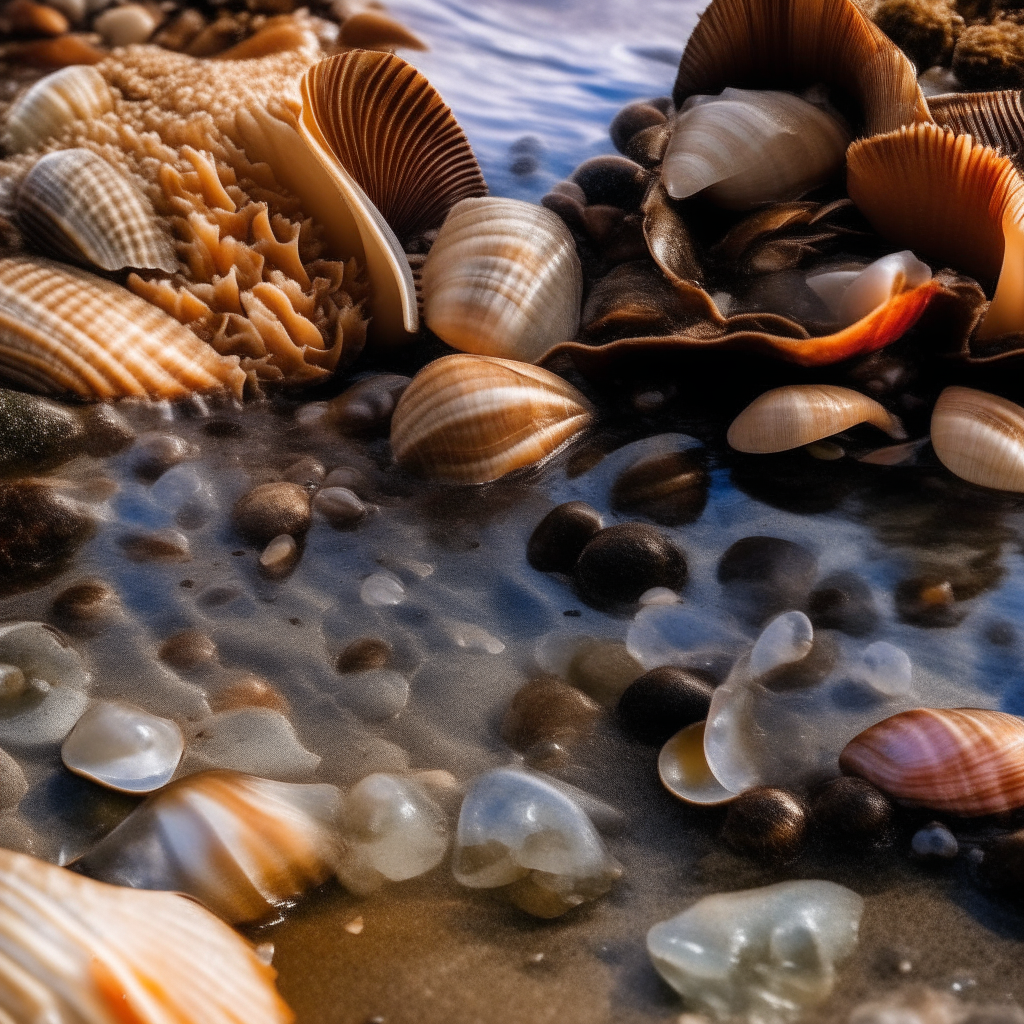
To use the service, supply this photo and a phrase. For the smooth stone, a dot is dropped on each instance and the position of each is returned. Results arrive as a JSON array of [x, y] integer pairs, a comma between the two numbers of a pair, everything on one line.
[[671, 489], [308, 473], [278, 557], [569, 208], [123, 748], [12, 682], [183, 493], [677, 634], [766, 575], [375, 694], [365, 653], [350, 478], [87, 601], [107, 432], [786, 639], [39, 529], [159, 546], [851, 809], [154, 453], [558, 539], [843, 601], [621, 562], [472, 637], [632, 119], [766, 823], [935, 841], [930, 602], [187, 649], [664, 700], [36, 431], [365, 409], [248, 690], [884, 668], [122, 26], [382, 590], [603, 669], [547, 710], [341, 507], [612, 180], [269, 510]]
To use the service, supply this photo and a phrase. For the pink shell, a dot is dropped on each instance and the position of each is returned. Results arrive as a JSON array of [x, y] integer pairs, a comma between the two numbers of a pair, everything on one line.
[[962, 760]]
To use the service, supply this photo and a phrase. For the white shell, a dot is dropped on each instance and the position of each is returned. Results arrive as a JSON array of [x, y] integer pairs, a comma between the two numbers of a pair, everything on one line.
[[123, 748], [746, 147], [503, 279], [853, 294], [51, 104], [684, 771]]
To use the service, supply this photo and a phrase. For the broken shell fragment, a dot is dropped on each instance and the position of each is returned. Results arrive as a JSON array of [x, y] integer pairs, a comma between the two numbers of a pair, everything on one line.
[[961, 760], [853, 294], [473, 419], [745, 147], [792, 416], [503, 279], [980, 438]]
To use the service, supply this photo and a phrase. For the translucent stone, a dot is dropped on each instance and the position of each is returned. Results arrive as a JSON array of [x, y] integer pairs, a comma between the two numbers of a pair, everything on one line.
[[519, 831], [376, 695], [382, 589], [183, 493], [761, 955], [474, 638], [393, 831], [786, 639], [677, 634], [885, 668], [124, 748], [935, 840]]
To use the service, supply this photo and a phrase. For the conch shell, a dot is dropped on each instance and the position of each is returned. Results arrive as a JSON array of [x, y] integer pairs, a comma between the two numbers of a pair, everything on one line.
[[473, 419], [72, 949], [962, 760]]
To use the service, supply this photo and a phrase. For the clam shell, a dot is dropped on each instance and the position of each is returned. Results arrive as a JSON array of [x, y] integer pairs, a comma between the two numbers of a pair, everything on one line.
[[960, 760], [503, 279], [238, 844], [980, 438], [398, 160], [746, 147], [994, 119], [684, 770], [75, 206], [473, 419], [51, 104], [77, 950], [792, 416], [65, 331]]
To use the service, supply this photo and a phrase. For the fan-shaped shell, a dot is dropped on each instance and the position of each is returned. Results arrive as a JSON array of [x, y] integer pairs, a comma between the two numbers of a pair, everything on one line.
[[798, 414], [994, 119], [72, 949], [51, 104], [75, 206], [65, 331], [399, 162], [475, 418], [980, 438], [238, 844], [961, 760], [746, 147], [503, 279]]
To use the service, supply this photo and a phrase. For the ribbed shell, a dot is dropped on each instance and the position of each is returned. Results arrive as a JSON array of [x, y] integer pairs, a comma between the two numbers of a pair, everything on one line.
[[684, 770], [980, 438], [798, 414], [51, 104], [473, 419], [72, 949], [75, 206], [963, 760], [65, 331], [239, 844], [503, 279], [994, 119]]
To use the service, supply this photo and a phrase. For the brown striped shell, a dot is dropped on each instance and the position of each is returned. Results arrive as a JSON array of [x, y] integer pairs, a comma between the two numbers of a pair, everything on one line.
[[63, 331], [960, 760], [994, 119], [473, 419], [75, 206]]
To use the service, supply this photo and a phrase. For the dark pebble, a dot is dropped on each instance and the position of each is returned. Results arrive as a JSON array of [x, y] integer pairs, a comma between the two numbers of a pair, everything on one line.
[[622, 562], [269, 510], [365, 409], [670, 489], [350, 478], [366, 653], [107, 432], [612, 180], [307, 472], [156, 453], [570, 189], [852, 809], [36, 431], [223, 428], [647, 148], [843, 601], [547, 710], [766, 823], [632, 119], [558, 539], [663, 701], [928, 601], [767, 575], [603, 222], [85, 602], [570, 210], [187, 649], [1002, 866]]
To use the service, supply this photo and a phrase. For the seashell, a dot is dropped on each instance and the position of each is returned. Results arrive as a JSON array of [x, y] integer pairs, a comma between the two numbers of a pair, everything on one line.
[[372, 30], [995, 119], [792, 416], [503, 279], [238, 844], [399, 162], [475, 418], [964, 761], [853, 294], [126, 24], [980, 438], [51, 104], [684, 770], [793, 44], [745, 147], [123, 748], [902, 182], [75, 206], [75, 949], [63, 330]]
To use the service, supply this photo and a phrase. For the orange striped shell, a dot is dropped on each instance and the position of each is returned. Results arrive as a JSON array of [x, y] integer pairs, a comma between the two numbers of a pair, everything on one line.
[[961, 760]]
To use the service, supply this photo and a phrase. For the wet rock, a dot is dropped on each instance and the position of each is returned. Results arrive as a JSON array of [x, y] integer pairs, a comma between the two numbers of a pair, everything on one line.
[[928, 601], [340, 507], [670, 489], [248, 690], [159, 546], [365, 409], [632, 119], [612, 181], [363, 654], [843, 601], [308, 473], [154, 453], [279, 556], [87, 601], [663, 701], [187, 649], [182, 493], [558, 539], [766, 575], [547, 710], [269, 510], [621, 562], [766, 823], [35, 432], [569, 208], [603, 669], [934, 842], [851, 809]]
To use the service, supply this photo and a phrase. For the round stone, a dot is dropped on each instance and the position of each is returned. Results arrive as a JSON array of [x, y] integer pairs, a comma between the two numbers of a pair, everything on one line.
[[546, 710], [766, 575], [766, 823], [85, 602], [365, 409], [632, 119], [340, 507], [248, 690], [612, 181], [621, 562], [558, 539], [663, 701], [187, 649], [670, 489], [843, 601], [272, 509], [852, 809], [366, 653], [603, 669]]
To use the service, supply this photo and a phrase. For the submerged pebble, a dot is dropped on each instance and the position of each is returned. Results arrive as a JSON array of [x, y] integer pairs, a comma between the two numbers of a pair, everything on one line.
[[767, 824], [934, 842], [366, 653], [255, 740], [155, 453], [843, 601], [560, 537], [248, 690], [278, 557], [382, 589], [87, 601], [852, 809], [547, 710], [366, 407], [621, 562], [187, 649], [663, 701], [603, 669], [671, 489], [766, 575], [340, 507], [269, 510]]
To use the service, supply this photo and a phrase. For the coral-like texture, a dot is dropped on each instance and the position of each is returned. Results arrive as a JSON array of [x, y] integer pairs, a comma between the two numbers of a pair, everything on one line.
[[925, 30], [990, 56]]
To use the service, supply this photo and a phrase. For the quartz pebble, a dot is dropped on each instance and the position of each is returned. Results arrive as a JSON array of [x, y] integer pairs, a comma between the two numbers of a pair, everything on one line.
[[187, 649], [785, 639], [558, 539], [766, 823], [659, 595], [621, 562], [122, 26], [663, 701], [279, 555], [269, 510], [935, 841], [366, 653], [471, 637], [340, 507], [382, 589], [766, 575], [884, 668]]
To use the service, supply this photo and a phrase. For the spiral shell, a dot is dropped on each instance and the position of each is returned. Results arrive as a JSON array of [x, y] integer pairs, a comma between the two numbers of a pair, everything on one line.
[[75, 206], [503, 279], [962, 760], [473, 419], [65, 331], [72, 949]]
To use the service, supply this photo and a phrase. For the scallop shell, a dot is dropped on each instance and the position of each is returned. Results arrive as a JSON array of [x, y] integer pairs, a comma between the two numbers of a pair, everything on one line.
[[55, 101], [65, 331], [793, 44], [746, 147], [398, 160], [73, 949], [473, 419], [238, 844], [792, 416], [980, 438], [684, 770], [961, 760], [503, 279], [75, 206], [994, 119]]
